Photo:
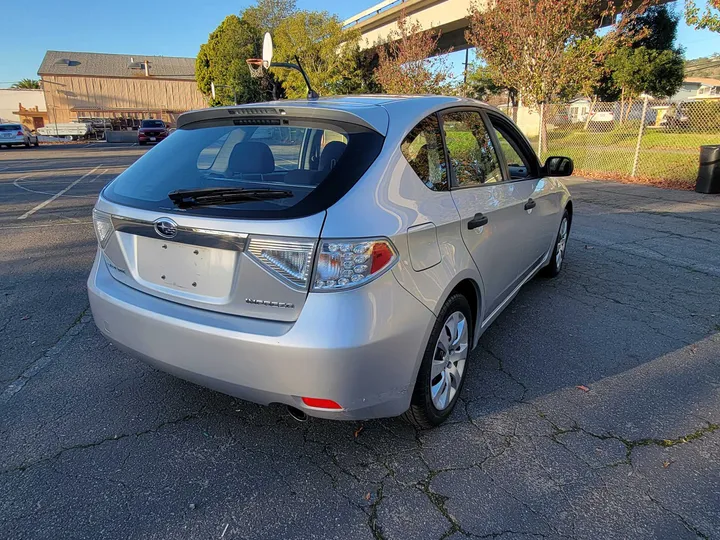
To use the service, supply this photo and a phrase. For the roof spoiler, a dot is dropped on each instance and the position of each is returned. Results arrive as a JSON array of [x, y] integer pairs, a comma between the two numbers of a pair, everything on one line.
[[270, 111]]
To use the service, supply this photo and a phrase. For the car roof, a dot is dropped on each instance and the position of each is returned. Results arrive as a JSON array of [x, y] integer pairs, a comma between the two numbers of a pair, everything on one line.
[[371, 110]]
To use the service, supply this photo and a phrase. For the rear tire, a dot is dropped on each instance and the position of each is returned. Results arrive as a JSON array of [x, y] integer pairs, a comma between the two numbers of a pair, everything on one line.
[[27, 143], [37, 142], [444, 365], [558, 255]]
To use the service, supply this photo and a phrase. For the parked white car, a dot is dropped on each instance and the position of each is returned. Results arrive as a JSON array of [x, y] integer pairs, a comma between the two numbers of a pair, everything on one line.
[[17, 135], [602, 116]]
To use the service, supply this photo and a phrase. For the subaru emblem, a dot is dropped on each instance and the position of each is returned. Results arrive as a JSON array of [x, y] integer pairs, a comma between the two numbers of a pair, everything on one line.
[[165, 227]]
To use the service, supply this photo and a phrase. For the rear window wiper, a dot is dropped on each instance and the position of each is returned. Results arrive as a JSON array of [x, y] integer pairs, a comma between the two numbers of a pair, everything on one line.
[[185, 198]]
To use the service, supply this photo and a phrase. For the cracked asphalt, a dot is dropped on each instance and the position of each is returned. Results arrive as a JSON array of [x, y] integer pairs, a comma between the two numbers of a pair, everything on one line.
[[592, 407]]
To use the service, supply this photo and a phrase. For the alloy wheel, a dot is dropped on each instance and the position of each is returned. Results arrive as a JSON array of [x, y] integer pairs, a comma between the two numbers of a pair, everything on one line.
[[561, 243], [448, 365]]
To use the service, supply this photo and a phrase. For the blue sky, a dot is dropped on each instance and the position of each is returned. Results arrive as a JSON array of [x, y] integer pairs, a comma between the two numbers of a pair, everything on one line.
[[167, 27]]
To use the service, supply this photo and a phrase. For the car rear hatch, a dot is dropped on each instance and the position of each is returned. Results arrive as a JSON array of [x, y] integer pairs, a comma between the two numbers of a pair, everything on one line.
[[226, 214]]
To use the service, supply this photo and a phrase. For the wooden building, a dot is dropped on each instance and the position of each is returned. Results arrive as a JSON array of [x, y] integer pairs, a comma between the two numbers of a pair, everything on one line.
[[118, 89]]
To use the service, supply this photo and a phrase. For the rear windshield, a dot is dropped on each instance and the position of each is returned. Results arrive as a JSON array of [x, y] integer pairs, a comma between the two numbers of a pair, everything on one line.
[[10, 128], [317, 161], [152, 123]]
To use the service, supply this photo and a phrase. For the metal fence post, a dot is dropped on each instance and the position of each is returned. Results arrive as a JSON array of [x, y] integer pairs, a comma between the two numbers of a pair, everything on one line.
[[636, 159], [540, 131]]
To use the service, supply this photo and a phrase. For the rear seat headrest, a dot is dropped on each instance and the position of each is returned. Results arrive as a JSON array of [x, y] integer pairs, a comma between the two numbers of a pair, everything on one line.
[[251, 157], [330, 155]]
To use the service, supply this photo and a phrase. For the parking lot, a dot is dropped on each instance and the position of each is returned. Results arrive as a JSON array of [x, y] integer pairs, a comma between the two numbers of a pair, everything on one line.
[[592, 407]]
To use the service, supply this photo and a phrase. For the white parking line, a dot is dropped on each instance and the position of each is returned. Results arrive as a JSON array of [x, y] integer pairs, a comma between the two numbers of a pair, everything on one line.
[[58, 194], [98, 176], [55, 169], [18, 185]]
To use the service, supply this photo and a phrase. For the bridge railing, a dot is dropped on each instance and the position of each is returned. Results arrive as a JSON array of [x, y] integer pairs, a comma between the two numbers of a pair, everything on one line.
[[369, 12]]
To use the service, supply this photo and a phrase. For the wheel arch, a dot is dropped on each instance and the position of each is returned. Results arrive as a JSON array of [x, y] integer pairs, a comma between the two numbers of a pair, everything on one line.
[[471, 290]]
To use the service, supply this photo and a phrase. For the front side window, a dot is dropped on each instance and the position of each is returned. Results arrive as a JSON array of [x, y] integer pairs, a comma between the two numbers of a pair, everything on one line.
[[518, 166], [248, 156], [471, 151], [424, 152], [520, 159]]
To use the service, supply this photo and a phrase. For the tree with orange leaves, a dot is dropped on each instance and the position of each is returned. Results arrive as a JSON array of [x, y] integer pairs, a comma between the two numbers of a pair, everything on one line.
[[408, 62]]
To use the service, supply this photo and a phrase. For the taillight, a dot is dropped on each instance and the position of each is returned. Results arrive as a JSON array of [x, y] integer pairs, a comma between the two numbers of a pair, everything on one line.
[[20, 133], [290, 260], [344, 264], [103, 227]]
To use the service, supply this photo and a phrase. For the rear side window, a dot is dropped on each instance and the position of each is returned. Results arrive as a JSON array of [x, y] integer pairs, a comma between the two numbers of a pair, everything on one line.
[[472, 154], [10, 128], [317, 161], [424, 152]]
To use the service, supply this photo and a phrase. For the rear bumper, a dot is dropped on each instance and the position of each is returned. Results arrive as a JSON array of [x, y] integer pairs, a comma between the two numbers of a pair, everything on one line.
[[360, 348], [15, 141], [146, 137]]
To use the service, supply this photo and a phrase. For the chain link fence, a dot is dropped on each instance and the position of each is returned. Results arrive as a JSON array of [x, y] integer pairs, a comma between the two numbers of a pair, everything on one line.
[[655, 140]]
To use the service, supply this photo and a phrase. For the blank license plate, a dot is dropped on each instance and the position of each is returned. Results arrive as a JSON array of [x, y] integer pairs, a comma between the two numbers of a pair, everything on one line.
[[184, 267], [153, 139]]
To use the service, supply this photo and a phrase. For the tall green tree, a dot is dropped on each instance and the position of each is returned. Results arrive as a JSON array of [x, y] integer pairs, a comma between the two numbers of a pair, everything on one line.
[[648, 71], [653, 64], [266, 15], [328, 54], [26, 84], [222, 61]]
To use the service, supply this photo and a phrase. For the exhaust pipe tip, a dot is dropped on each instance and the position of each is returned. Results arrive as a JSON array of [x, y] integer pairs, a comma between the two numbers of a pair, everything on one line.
[[296, 414]]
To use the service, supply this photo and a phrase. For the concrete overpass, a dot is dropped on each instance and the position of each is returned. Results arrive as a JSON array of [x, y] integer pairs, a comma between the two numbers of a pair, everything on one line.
[[450, 17]]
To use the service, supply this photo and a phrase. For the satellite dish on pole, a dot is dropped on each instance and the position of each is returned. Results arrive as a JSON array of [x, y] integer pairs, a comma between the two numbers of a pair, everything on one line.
[[267, 52]]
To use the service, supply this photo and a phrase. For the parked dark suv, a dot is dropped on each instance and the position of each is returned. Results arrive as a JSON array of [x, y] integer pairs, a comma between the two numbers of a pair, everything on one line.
[[152, 131]]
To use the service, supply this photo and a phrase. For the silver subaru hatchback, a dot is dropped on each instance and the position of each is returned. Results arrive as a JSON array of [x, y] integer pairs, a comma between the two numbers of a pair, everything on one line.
[[340, 256]]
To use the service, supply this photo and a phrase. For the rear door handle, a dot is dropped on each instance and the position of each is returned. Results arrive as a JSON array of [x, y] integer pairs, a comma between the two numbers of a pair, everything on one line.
[[530, 204], [478, 220]]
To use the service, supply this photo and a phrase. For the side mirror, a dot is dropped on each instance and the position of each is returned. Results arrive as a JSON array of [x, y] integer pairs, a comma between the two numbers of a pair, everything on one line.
[[559, 166]]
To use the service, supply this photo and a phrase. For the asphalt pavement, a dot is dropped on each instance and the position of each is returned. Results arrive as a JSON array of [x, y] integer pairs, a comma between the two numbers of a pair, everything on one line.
[[592, 407]]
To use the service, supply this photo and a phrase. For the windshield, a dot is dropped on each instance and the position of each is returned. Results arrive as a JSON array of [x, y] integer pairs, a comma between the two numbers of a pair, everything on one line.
[[12, 127], [153, 123], [316, 162]]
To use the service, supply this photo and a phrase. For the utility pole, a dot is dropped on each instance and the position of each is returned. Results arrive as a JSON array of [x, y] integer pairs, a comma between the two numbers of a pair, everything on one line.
[[467, 57]]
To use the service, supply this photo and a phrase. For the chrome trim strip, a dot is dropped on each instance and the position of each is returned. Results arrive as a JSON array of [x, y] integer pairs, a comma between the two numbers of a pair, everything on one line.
[[185, 235]]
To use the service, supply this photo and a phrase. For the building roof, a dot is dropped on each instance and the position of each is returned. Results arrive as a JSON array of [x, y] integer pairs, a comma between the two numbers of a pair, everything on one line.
[[85, 64], [705, 81]]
